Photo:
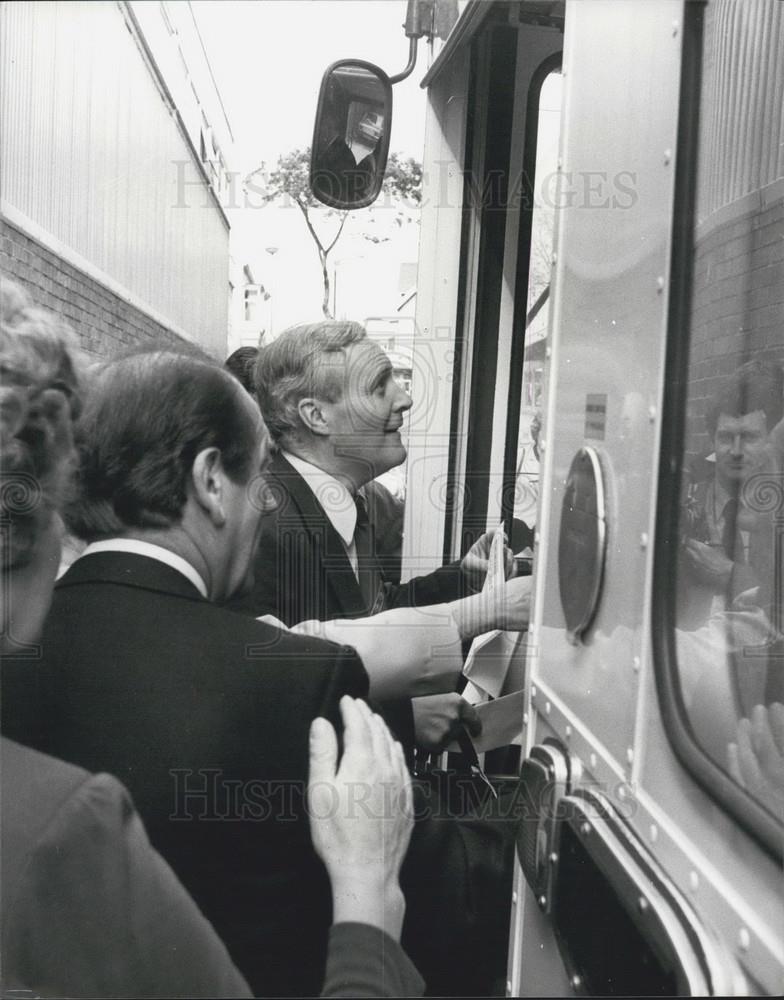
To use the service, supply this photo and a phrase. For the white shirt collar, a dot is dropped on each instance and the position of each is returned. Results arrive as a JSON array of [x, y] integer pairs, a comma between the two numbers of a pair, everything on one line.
[[152, 551], [333, 496]]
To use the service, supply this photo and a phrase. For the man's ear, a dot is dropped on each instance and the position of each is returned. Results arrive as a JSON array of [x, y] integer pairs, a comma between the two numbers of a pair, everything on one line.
[[207, 477], [311, 413]]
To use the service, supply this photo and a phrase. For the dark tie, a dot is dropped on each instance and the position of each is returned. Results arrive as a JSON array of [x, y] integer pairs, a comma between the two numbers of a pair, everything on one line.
[[369, 573], [728, 533]]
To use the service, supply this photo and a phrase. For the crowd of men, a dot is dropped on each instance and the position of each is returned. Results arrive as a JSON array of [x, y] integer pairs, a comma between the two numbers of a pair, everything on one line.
[[196, 801]]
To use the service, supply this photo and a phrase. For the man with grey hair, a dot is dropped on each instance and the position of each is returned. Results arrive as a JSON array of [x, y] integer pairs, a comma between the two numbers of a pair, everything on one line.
[[330, 402]]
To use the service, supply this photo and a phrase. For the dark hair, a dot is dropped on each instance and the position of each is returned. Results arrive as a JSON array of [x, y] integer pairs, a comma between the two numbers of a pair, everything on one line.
[[147, 418], [757, 385], [300, 363], [39, 397], [242, 364]]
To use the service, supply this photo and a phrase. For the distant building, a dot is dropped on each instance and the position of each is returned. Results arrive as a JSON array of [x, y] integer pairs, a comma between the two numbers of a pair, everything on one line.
[[114, 164], [250, 318]]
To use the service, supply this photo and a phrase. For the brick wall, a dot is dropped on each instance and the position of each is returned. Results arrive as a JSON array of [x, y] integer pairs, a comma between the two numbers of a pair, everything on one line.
[[106, 324], [738, 307]]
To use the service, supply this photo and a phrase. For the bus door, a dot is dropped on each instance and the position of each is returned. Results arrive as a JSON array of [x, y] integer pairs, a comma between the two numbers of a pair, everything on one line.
[[649, 853], [649, 849]]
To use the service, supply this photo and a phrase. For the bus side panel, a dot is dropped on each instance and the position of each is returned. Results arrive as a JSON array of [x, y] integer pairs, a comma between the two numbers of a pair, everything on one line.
[[607, 335]]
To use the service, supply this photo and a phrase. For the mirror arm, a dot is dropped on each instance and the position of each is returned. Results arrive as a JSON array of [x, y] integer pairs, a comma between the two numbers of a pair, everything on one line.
[[412, 58]]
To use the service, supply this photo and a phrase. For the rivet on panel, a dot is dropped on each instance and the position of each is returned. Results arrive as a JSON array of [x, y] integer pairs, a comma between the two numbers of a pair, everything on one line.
[[568, 732], [593, 760], [509, 987], [533, 691], [585, 829], [744, 939], [636, 664], [553, 858], [542, 444], [694, 881], [667, 156], [547, 708], [644, 540], [652, 413], [621, 792], [642, 904], [548, 351], [560, 163], [654, 833], [525, 718], [576, 982], [514, 898], [675, 28], [553, 258], [660, 284], [629, 756], [543, 901]]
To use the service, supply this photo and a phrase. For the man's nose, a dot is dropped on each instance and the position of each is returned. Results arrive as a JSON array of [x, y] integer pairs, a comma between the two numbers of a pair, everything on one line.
[[403, 401], [737, 444]]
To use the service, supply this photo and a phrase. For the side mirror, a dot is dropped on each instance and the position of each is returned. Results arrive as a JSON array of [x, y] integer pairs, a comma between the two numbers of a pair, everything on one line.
[[351, 134]]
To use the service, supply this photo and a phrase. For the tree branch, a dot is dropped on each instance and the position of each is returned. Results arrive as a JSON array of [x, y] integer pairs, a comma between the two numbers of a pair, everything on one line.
[[340, 230], [309, 224]]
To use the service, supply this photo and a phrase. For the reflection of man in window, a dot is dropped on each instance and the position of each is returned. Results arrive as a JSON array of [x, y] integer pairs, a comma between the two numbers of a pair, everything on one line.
[[731, 544]]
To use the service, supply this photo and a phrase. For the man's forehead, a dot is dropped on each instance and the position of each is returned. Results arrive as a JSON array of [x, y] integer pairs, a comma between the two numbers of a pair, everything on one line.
[[366, 357], [756, 420]]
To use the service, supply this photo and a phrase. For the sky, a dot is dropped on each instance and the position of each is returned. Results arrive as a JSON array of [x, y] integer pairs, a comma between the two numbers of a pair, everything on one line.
[[268, 57]]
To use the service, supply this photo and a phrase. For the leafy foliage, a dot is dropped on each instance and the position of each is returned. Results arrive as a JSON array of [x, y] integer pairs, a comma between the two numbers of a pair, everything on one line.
[[289, 181]]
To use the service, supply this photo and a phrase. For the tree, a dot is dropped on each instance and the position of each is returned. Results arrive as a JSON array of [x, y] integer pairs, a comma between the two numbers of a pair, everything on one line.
[[290, 182]]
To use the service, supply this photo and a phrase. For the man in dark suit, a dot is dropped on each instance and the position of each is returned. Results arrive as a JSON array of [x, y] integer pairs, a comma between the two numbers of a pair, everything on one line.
[[203, 714], [330, 402]]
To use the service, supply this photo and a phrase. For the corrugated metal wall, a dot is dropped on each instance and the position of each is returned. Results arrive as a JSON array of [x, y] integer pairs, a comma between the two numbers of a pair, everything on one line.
[[91, 153], [742, 147]]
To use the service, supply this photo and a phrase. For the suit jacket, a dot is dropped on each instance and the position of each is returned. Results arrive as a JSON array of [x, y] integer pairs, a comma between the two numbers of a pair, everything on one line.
[[204, 715], [91, 909], [302, 571]]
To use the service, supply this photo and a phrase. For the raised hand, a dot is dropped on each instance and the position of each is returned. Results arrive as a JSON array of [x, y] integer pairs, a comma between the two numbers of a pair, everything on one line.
[[361, 816]]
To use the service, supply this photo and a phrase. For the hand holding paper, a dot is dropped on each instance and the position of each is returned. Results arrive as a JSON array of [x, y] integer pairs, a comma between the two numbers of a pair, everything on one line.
[[489, 557]]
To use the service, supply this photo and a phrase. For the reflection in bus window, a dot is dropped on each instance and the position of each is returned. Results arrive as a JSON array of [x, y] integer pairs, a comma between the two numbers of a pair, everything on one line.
[[729, 609], [537, 303]]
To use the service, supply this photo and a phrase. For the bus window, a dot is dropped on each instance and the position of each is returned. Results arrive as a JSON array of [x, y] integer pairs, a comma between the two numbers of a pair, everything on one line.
[[537, 301], [725, 694], [537, 222]]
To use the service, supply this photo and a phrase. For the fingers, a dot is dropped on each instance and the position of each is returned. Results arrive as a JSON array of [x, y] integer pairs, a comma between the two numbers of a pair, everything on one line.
[[509, 563], [356, 725], [381, 740], [776, 719], [768, 755], [470, 718], [323, 751]]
